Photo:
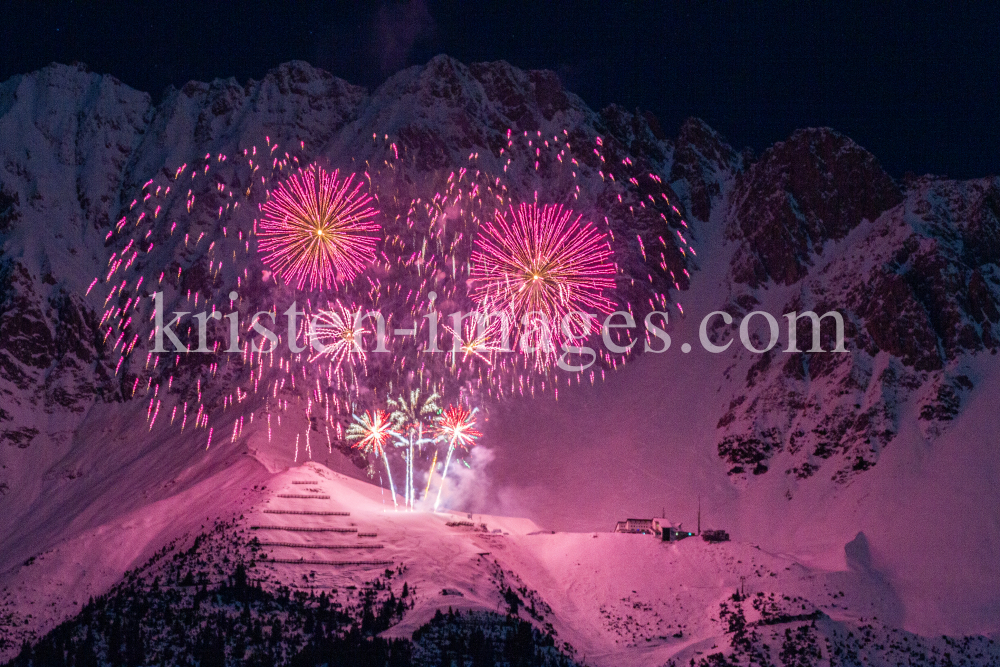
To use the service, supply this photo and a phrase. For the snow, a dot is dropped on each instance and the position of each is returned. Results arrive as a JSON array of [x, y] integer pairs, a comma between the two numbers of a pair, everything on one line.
[[617, 599]]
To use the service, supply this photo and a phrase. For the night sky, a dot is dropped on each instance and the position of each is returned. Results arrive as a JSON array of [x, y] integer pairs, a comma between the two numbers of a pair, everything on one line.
[[916, 84]]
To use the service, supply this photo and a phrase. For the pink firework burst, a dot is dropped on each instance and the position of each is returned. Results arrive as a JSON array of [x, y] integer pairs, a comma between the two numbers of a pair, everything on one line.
[[335, 336], [540, 260], [457, 425], [371, 430], [317, 228]]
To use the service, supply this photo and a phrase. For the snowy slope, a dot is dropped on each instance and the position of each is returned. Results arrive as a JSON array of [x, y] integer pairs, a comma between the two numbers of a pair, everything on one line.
[[610, 599]]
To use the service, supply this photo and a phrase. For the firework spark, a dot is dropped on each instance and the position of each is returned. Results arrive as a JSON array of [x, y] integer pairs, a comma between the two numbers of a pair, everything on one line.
[[541, 261], [372, 430], [335, 335], [410, 415], [481, 334], [457, 425], [317, 228]]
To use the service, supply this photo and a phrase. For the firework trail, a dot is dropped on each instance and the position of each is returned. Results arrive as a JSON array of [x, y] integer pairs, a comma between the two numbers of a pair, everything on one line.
[[434, 461], [372, 430], [317, 229], [542, 264], [457, 426], [409, 417]]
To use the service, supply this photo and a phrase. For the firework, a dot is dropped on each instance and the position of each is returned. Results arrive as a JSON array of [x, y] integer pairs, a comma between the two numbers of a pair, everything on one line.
[[372, 430], [541, 265], [317, 228], [433, 224], [481, 334], [335, 335], [409, 417], [457, 425]]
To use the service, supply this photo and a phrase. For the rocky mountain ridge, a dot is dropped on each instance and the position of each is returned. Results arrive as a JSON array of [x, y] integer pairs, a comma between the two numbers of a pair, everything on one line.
[[77, 145]]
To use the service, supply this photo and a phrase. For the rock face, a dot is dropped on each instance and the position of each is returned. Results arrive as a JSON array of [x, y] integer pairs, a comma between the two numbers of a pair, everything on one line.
[[68, 136], [814, 188], [812, 224], [912, 286], [704, 165]]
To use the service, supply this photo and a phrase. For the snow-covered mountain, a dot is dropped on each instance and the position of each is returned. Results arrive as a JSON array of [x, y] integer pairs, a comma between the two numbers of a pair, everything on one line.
[[796, 452], [311, 552]]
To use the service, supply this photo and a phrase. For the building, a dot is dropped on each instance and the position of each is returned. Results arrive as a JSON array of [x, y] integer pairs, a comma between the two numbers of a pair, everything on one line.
[[668, 532], [657, 526], [639, 526]]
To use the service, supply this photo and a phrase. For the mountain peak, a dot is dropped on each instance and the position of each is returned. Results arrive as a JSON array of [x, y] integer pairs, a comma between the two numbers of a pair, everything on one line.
[[703, 161], [814, 187]]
